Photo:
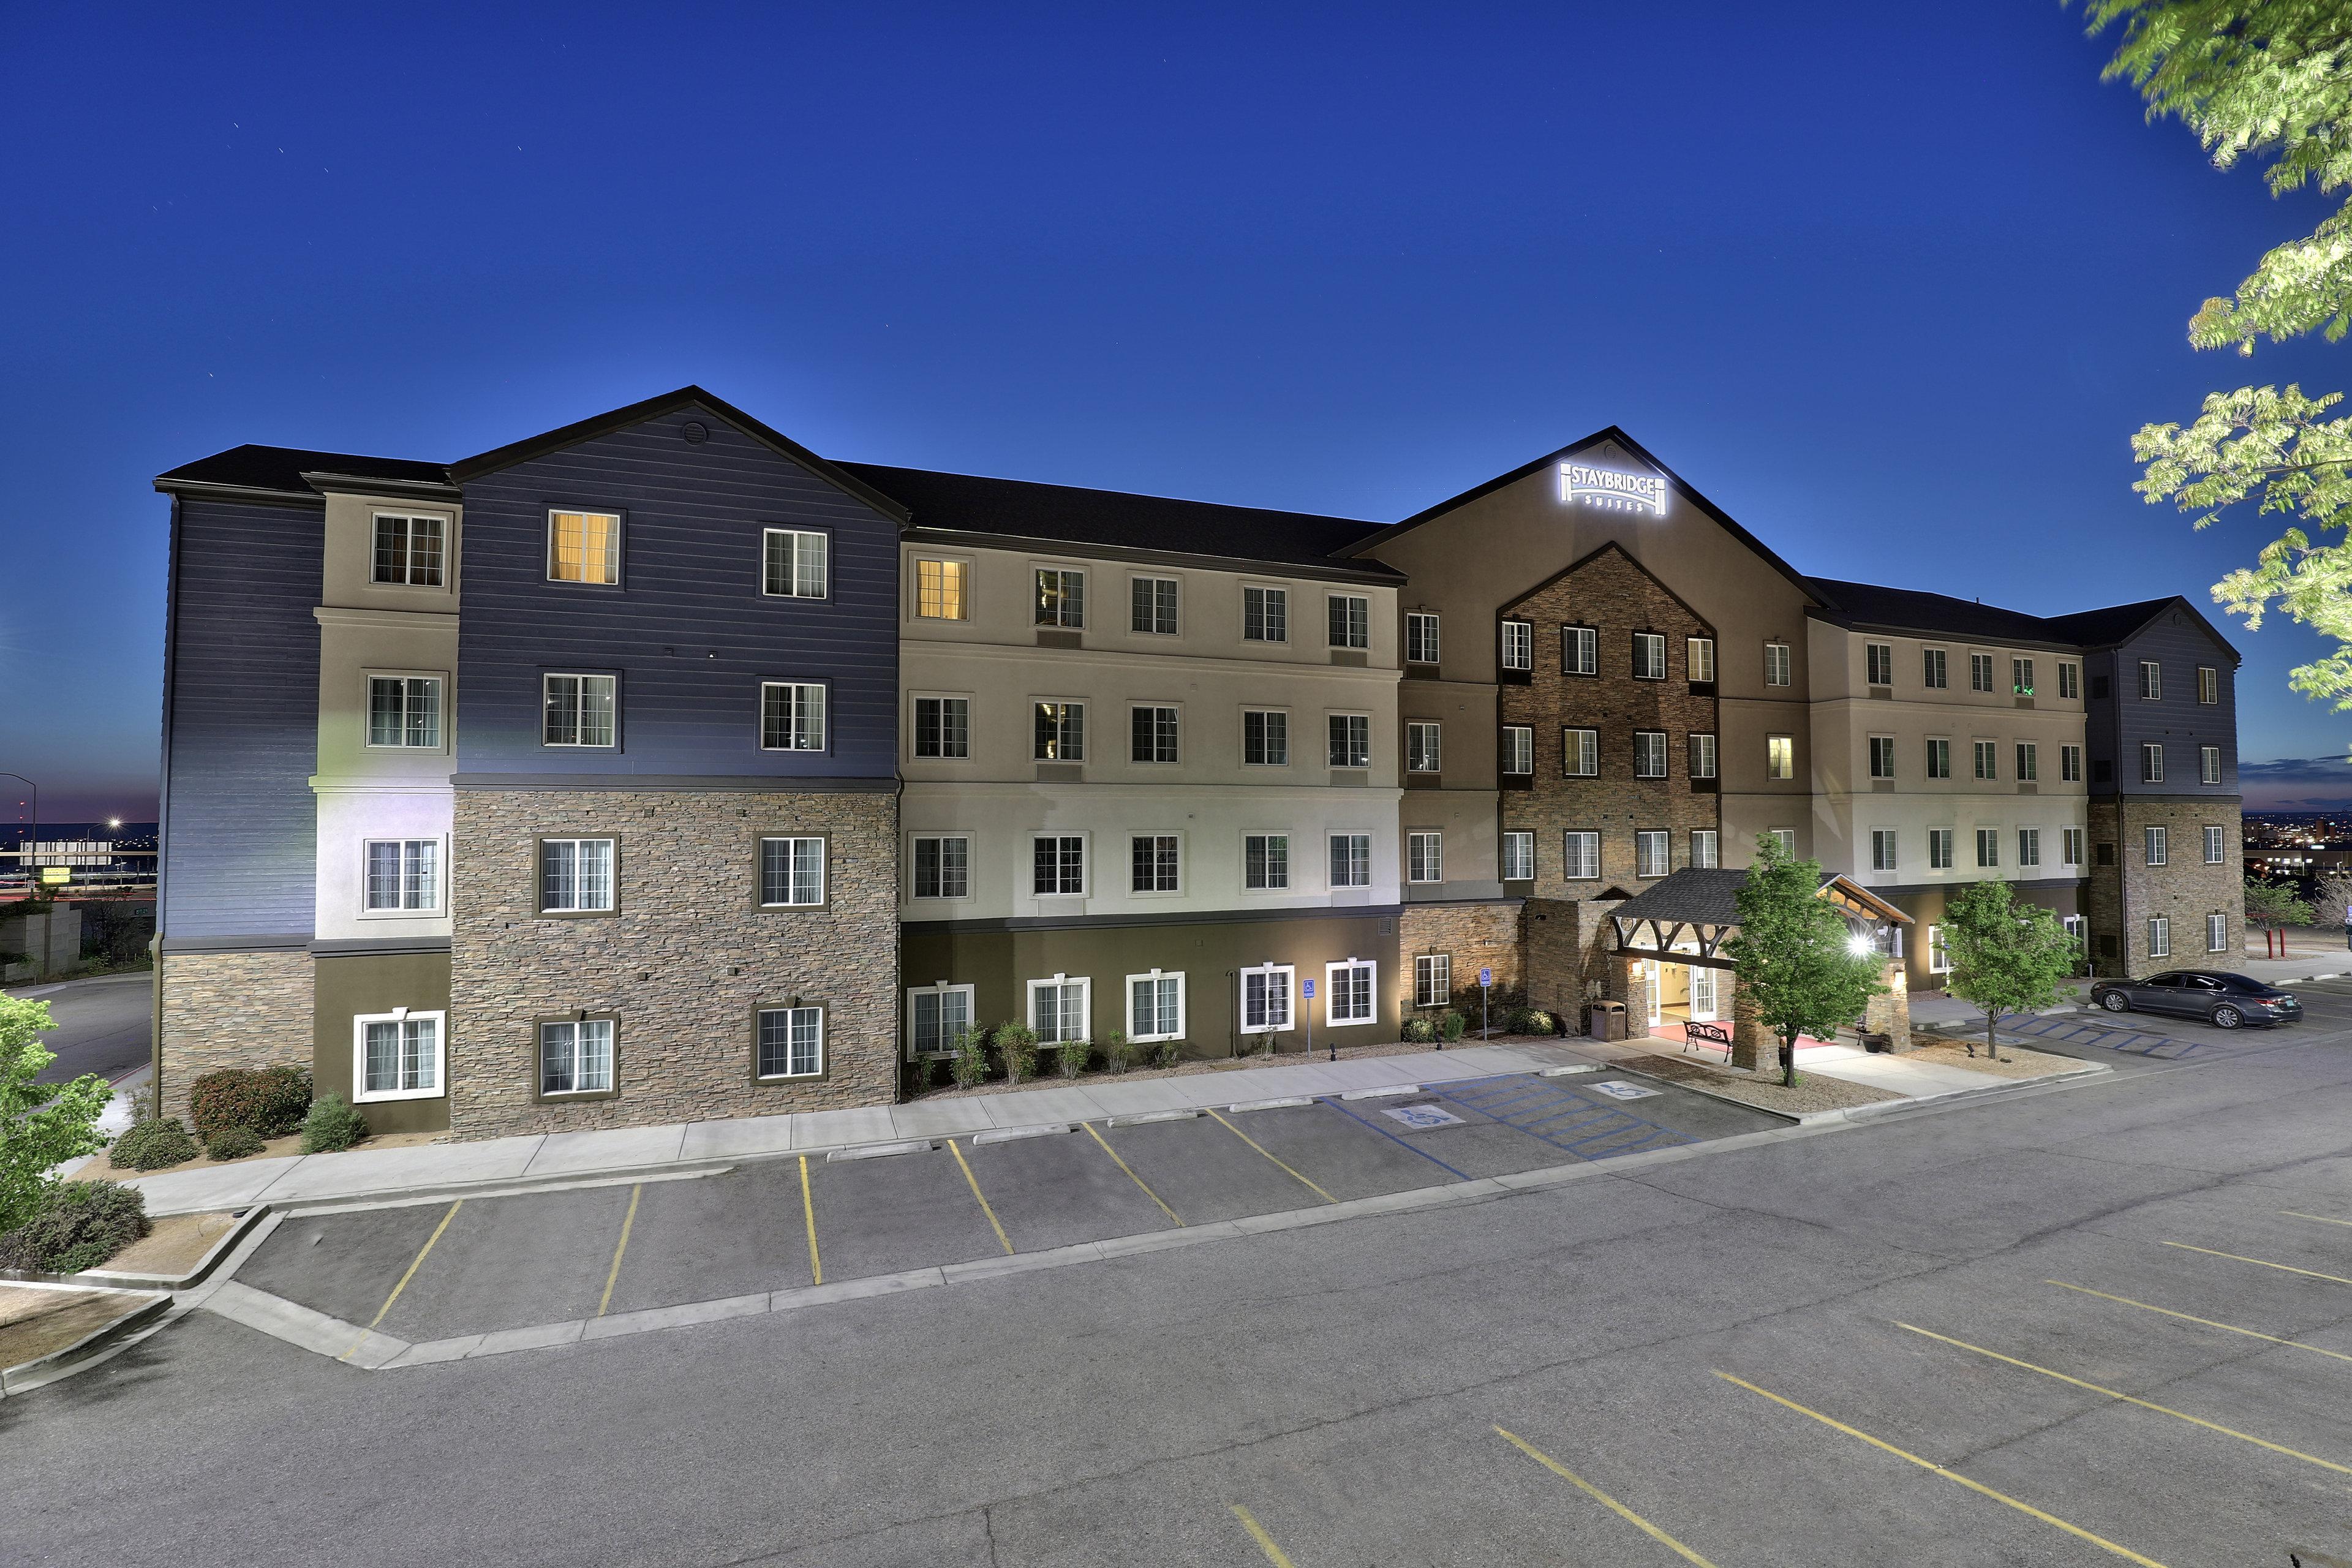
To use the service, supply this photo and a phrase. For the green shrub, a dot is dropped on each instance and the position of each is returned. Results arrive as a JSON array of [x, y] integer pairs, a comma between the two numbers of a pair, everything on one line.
[[272, 1102], [970, 1065], [233, 1143], [1073, 1057], [1539, 1021], [1419, 1030], [1016, 1047], [333, 1123], [922, 1074], [152, 1145], [1119, 1051], [78, 1226], [1450, 1025], [1165, 1054]]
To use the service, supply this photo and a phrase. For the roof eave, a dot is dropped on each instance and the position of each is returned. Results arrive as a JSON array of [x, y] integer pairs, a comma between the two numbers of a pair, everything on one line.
[[1339, 570]]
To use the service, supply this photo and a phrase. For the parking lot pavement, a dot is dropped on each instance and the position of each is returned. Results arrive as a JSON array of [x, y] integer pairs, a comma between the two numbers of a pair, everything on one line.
[[1058, 1190], [900, 1212]]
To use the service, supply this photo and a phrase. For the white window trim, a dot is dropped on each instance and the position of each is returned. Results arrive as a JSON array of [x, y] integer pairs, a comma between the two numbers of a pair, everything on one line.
[[1640, 738], [822, 1044], [1289, 863], [362, 1095], [1530, 754], [582, 675], [1086, 1004], [1565, 732], [1149, 707], [1529, 836], [2216, 838], [942, 988], [1643, 639], [824, 724], [823, 870], [1939, 957], [1178, 583], [448, 550], [1087, 739], [1871, 753], [620, 545], [1691, 665], [915, 586], [969, 838], [1126, 1006], [1436, 753], [1241, 611], [538, 875], [1714, 841], [1436, 638], [1363, 599], [1289, 973], [2212, 922], [2159, 926], [539, 1043], [1438, 834], [1086, 596], [1894, 849], [1086, 863], [1446, 997], [1290, 736], [1566, 862], [1342, 887], [1371, 737], [440, 905], [1183, 882], [1527, 642], [1948, 840], [1779, 777], [1371, 994], [1575, 637], [970, 701], [1666, 837], [440, 747], [769, 531], [1787, 662]]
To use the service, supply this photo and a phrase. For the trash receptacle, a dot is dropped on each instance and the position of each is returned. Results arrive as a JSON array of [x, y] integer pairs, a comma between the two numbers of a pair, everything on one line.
[[1875, 1042], [1605, 1020]]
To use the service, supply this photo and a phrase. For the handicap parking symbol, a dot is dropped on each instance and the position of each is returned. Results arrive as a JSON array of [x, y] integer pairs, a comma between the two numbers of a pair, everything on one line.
[[1618, 1089], [1418, 1117]]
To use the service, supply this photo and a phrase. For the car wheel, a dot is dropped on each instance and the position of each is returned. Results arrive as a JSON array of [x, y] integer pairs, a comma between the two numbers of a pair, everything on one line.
[[2227, 1017], [2115, 1002]]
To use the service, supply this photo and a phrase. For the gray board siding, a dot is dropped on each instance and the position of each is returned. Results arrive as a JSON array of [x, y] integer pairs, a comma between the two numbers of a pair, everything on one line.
[[2118, 724], [241, 721], [687, 629]]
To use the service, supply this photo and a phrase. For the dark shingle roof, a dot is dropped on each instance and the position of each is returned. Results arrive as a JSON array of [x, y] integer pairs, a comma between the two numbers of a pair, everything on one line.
[[1022, 510], [281, 468], [1693, 895], [1867, 604], [2098, 628]]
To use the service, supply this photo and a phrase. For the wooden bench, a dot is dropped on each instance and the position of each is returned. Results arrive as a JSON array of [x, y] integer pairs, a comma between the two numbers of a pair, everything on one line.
[[1708, 1035]]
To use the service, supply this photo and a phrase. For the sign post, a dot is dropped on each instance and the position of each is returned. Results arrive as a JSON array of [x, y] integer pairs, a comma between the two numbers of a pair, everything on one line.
[[1485, 989], [1308, 987]]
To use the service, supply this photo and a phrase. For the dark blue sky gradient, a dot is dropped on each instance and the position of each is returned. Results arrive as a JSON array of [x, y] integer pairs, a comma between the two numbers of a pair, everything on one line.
[[1891, 285]]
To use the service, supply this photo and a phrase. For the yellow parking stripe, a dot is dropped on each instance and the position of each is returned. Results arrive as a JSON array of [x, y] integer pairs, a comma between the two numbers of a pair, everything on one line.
[[1131, 1176], [991, 1213], [1273, 1554], [2298, 1213], [2192, 1317], [2076, 1531], [1611, 1503], [2282, 1268], [2130, 1399], [414, 1265], [628, 1221], [1254, 1143], [808, 1208]]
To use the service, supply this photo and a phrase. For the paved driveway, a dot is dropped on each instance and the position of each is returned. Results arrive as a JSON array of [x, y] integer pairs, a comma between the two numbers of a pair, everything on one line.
[[103, 1026]]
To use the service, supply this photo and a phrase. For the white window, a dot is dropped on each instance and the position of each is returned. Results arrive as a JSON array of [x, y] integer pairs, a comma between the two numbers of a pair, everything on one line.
[[1939, 957], [2160, 937], [1266, 738], [943, 726], [942, 866], [1151, 734], [1154, 861], [1425, 858], [403, 874], [1780, 756], [2154, 846], [2073, 924], [1518, 749], [2213, 847], [2209, 765], [1698, 654], [1061, 732], [1058, 864], [1932, 673], [1882, 756], [580, 710], [2208, 685], [1059, 1009], [2070, 763], [575, 876], [1265, 998], [1580, 753], [1580, 856], [1420, 638], [1988, 847], [409, 550], [1420, 748], [1152, 605], [791, 716], [1579, 650], [1348, 991], [1879, 658], [1940, 758], [791, 1042], [1350, 617], [2070, 845], [2151, 680], [396, 1055], [2151, 762], [1351, 859], [1061, 597], [2029, 762], [1776, 664], [1155, 1007], [1702, 755], [583, 547], [1979, 672], [576, 1057], [1649, 656], [2028, 847], [1988, 759], [1882, 850], [1518, 645], [1265, 614], [2070, 680], [1785, 837], [1649, 754], [1265, 862], [1939, 849], [2020, 676], [1703, 848], [795, 564], [2217, 933], [792, 871], [1433, 979], [1351, 740], [940, 590], [1519, 857], [1650, 853], [936, 1016]]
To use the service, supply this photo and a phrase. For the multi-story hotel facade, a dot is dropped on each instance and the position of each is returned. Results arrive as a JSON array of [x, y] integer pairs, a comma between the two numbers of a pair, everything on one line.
[[656, 768]]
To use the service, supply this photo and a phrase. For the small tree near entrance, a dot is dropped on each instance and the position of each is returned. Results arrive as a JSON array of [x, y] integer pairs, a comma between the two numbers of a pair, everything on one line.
[[2270, 905], [1798, 967], [2006, 957], [41, 1125]]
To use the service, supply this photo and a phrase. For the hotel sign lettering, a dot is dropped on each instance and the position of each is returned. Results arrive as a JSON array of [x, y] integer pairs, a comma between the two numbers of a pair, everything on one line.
[[1614, 491]]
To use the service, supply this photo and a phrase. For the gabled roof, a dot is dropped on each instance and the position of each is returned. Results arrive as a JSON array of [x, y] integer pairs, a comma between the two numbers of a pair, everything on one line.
[[1020, 509], [281, 469], [1909, 609], [2121, 622], [1633, 448], [1708, 896]]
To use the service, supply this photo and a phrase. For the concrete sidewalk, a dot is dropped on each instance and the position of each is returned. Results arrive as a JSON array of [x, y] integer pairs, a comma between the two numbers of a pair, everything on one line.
[[364, 1173]]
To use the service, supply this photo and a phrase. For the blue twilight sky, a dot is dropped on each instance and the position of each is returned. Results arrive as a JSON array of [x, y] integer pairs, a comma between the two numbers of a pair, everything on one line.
[[1893, 284]]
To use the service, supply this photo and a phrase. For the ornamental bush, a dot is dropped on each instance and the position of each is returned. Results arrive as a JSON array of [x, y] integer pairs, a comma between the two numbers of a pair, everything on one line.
[[333, 1123], [233, 1143], [1165, 1054], [78, 1226], [1119, 1051], [271, 1102], [1450, 1025], [1017, 1047], [152, 1145], [970, 1065], [1073, 1057]]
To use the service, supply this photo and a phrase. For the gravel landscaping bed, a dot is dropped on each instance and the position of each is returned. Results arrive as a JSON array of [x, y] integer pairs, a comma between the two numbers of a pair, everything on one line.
[[35, 1323], [1049, 1079], [2015, 1061], [1813, 1091]]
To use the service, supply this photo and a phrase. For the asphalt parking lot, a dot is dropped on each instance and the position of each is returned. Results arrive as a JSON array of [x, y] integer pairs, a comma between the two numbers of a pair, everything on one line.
[[442, 1269]]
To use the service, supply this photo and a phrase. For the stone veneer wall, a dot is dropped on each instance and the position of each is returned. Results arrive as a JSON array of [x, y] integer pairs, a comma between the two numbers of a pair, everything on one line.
[[2122, 897], [683, 963], [231, 1010], [1476, 935]]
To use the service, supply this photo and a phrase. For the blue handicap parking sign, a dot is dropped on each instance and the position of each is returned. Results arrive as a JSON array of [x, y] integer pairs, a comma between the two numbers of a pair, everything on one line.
[[1310, 987], [1485, 977]]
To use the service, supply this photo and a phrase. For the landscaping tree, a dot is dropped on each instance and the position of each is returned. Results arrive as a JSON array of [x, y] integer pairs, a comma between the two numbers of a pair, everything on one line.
[[2268, 79], [41, 1125], [1797, 965], [2270, 905], [2006, 957]]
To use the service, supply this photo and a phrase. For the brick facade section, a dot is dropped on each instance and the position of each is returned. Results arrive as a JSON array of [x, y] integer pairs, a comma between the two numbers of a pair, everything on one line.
[[684, 962], [2122, 897], [231, 1010], [1611, 592], [1480, 935]]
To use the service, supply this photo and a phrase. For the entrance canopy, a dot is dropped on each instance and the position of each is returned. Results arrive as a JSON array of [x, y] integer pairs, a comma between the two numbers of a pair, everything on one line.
[[1687, 918]]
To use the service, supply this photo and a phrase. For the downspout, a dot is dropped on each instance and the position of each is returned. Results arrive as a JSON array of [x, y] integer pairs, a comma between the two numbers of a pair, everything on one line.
[[163, 815]]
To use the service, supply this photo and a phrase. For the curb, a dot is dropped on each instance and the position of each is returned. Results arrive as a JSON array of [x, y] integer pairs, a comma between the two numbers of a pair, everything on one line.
[[1881, 1109], [25, 1377]]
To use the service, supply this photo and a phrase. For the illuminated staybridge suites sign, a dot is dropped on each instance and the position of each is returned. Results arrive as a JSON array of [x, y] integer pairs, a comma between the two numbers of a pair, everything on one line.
[[1611, 490]]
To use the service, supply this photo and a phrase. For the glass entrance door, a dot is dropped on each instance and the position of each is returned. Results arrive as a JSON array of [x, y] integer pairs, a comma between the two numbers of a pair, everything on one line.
[[1702, 994]]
